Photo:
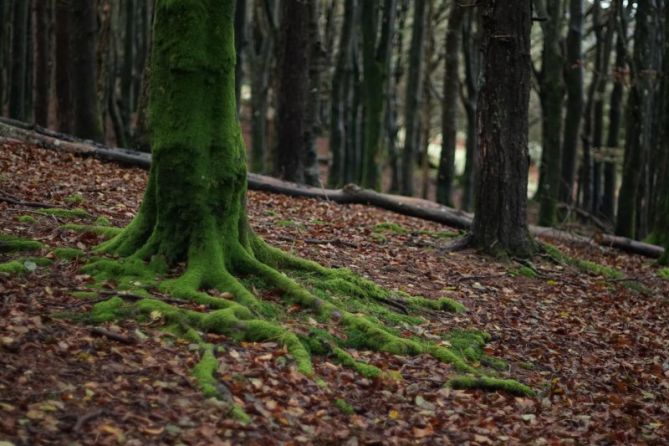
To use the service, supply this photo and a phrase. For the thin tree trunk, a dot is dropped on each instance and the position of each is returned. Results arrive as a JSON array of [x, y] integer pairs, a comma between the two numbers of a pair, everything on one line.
[[293, 91], [42, 74], [574, 81], [240, 44], [63, 55], [551, 93], [312, 122], [127, 99], [413, 96], [340, 94], [19, 73], [471, 44], [449, 106], [83, 70], [500, 222], [3, 65], [639, 117]]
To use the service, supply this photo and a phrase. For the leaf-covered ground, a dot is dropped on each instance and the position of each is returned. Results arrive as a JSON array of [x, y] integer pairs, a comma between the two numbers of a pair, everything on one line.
[[594, 348]]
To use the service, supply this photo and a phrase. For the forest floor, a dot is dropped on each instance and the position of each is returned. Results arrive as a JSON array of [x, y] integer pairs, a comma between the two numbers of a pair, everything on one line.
[[594, 348]]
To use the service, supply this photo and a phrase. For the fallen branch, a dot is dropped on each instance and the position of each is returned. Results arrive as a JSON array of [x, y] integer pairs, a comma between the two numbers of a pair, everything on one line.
[[7, 198], [351, 194], [99, 331]]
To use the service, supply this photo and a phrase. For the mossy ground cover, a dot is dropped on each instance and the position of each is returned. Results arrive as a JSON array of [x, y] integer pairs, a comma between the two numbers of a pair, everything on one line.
[[574, 339]]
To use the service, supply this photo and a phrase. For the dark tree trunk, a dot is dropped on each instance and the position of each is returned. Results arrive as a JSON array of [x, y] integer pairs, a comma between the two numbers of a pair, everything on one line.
[[3, 65], [19, 66], [42, 74], [340, 95], [375, 53], [613, 137], [413, 96], [449, 105], [500, 222], [240, 44], [127, 69], [574, 81], [551, 93], [293, 91], [471, 43], [260, 50], [83, 70], [63, 58], [661, 230], [639, 115]]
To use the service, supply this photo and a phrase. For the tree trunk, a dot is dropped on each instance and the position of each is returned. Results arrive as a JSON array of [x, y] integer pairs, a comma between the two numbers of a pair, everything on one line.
[[449, 106], [500, 222], [293, 90], [375, 53], [83, 71], [551, 93], [19, 74], [613, 137], [312, 115], [240, 45], [471, 43], [574, 81], [42, 74], [661, 231], [340, 94], [3, 65], [260, 50], [63, 55], [639, 117], [413, 96], [127, 69]]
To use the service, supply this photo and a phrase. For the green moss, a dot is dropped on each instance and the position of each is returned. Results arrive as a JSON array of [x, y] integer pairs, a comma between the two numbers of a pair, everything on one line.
[[109, 310], [439, 234], [74, 199], [663, 273], [102, 221], [204, 373], [583, 265], [68, 253], [344, 406], [492, 384], [105, 231], [10, 243], [525, 271], [441, 304], [65, 213], [28, 219], [290, 224], [468, 343], [84, 294], [392, 227], [345, 359], [494, 363], [12, 267]]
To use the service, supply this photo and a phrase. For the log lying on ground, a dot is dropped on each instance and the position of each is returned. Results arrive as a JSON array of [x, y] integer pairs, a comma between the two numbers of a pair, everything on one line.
[[351, 194]]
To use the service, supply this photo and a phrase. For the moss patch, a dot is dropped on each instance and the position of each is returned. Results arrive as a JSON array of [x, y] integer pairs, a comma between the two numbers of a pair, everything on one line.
[[492, 384], [74, 199], [663, 273], [68, 253], [583, 265], [28, 219], [10, 243], [65, 213], [105, 231], [389, 226], [344, 406]]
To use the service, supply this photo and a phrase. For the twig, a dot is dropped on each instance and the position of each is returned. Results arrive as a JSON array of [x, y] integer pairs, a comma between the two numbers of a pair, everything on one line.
[[85, 418], [7, 198], [114, 336], [486, 276], [333, 241]]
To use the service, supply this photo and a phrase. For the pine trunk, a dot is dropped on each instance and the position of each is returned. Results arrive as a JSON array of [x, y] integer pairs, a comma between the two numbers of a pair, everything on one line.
[[42, 74], [63, 57], [19, 72], [500, 222]]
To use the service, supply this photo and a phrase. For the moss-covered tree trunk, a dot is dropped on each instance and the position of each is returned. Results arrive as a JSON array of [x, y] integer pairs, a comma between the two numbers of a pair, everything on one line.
[[500, 221]]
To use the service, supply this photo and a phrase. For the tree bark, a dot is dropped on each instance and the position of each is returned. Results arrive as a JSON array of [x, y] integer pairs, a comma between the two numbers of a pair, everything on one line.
[[83, 70], [640, 110], [500, 222], [471, 43], [127, 69], [413, 97], [42, 73], [240, 45], [293, 90], [375, 53], [449, 105], [312, 122], [340, 96], [19, 72], [574, 81], [551, 93], [63, 57]]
